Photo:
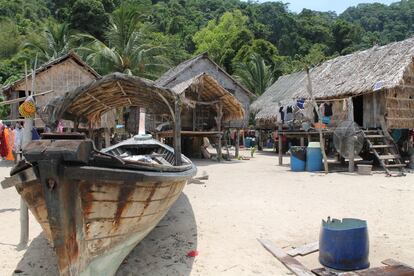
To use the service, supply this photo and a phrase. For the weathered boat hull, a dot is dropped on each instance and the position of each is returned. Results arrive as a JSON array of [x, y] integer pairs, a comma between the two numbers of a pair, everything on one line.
[[95, 216]]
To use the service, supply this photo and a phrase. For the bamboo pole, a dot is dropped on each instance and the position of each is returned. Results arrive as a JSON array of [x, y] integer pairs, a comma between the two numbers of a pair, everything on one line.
[[280, 143], [351, 163], [177, 132], [237, 143], [27, 137], [321, 139]]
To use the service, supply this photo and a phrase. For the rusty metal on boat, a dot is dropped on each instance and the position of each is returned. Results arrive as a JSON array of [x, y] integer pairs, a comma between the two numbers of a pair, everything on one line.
[[96, 206]]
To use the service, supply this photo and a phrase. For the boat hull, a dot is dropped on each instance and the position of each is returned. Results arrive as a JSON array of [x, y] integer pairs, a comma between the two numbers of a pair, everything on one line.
[[95, 216]]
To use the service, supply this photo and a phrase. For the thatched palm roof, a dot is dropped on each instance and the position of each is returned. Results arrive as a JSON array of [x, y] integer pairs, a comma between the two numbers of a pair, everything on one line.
[[377, 68], [209, 90], [171, 75], [89, 102]]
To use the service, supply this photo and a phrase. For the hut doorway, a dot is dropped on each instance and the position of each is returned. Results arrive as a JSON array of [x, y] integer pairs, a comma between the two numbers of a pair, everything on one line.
[[358, 110]]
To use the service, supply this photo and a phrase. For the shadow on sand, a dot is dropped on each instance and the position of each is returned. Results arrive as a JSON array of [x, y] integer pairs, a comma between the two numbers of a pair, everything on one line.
[[163, 251]]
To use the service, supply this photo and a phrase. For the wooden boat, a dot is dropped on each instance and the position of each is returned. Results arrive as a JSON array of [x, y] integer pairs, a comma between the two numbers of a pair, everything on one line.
[[96, 206]]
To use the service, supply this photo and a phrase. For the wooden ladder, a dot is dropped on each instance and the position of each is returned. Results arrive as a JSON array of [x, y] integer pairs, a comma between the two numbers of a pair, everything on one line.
[[385, 150]]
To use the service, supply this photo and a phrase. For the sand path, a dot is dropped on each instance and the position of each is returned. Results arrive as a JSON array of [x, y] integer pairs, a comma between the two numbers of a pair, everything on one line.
[[222, 218]]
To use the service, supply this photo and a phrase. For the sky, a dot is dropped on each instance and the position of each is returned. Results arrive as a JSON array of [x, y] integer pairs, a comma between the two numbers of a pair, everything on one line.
[[327, 5]]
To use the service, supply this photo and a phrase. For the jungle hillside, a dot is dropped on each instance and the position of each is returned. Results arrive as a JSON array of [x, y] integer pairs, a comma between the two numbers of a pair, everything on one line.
[[255, 42]]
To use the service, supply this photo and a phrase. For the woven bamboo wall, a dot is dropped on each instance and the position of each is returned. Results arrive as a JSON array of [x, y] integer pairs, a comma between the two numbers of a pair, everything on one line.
[[399, 102], [61, 77], [400, 107]]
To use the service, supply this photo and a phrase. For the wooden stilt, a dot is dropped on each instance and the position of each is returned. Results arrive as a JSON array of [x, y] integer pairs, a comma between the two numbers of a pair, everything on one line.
[[107, 133], [302, 141], [280, 144], [218, 119], [351, 163], [237, 143], [24, 212], [177, 133]]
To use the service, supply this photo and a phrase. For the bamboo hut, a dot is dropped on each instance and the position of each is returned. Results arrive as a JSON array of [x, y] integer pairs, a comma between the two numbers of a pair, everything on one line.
[[57, 77], [380, 81], [201, 64], [118, 90]]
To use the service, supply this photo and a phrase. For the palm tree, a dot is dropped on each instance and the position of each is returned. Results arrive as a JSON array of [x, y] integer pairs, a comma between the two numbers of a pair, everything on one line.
[[125, 50], [55, 41], [255, 75]]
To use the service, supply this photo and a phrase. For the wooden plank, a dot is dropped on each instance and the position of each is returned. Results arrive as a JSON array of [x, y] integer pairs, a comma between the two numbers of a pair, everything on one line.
[[390, 270], [304, 250], [324, 272], [24, 176], [399, 270], [393, 262], [291, 263], [388, 156], [381, 146]]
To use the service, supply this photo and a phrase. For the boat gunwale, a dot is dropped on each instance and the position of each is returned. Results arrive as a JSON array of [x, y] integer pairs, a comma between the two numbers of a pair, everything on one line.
[[85, 172]]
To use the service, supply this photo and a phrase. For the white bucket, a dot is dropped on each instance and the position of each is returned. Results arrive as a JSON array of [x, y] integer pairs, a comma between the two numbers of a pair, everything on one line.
[[364, 169]]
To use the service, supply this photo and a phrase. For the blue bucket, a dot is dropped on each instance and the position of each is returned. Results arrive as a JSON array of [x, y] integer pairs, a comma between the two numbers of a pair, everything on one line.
[[314, 157], [344, 245], [297, 158]]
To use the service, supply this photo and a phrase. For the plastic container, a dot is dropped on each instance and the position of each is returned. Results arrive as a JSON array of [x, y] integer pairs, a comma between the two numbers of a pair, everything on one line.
[[364, 169], [248, 142], [344, 245], [297, 158], [314, 157]]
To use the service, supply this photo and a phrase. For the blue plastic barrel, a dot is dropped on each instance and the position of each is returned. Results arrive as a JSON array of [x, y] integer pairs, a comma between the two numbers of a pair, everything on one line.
[[344, 245], [248, 142], [314, 157], [297, 158]]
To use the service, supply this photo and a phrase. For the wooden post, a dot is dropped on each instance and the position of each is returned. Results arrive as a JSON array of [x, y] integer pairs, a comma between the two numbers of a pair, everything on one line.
[[218, 123], [321, 139], [280, 144], [302, 141], [237, 143], [351, 163], [107, 134], [177, 132], [75, 125], [24, 212], [351, 167], [27, 137]]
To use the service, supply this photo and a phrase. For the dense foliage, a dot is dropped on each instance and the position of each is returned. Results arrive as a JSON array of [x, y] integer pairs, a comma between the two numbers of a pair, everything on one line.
[[255, 41]]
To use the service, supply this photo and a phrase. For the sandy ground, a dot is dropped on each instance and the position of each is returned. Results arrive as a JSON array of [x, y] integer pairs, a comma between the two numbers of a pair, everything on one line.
[[222, 219]]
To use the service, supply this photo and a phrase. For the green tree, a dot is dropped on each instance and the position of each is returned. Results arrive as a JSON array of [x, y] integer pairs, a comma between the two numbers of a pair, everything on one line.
[[346, 36], [89, 16], [224, 38], [125, 51], [255, 75], [53, 42]]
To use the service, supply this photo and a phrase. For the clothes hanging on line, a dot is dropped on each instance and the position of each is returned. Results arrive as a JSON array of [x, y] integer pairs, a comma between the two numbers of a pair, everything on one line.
[[282, 115], [35, 134], [3, 145]]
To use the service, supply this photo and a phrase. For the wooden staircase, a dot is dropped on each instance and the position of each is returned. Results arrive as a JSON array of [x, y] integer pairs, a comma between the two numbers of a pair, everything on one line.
[[385, 150]]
